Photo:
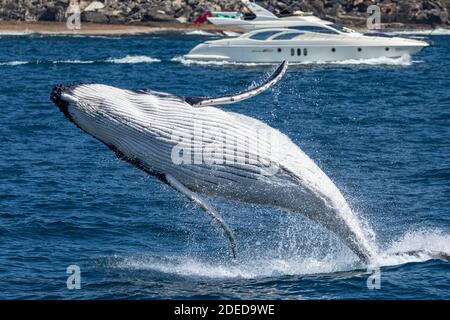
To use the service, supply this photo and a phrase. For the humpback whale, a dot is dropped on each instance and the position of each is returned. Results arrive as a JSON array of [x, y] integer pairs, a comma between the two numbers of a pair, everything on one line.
[[202, 150]]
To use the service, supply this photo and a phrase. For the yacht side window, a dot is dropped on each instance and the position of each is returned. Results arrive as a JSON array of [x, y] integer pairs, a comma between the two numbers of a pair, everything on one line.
[[263, 35]]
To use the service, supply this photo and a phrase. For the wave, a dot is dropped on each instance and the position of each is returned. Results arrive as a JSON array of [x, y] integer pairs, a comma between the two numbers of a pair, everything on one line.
[[127, 59], [202, 33], [404, 60], [8, 33], [133, 59], [92, 36], [73, 61], [13, 63], [18, 63]]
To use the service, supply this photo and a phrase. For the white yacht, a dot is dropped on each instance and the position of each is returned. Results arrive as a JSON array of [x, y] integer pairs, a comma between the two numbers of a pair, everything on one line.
[[261, 18], [307, 42]]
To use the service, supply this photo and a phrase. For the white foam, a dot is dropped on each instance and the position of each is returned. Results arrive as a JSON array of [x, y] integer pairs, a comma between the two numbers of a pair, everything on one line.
[[127, 59], [201, 33], [73, 61], [7, 33], [13, 63], [93, 36], [133, 59], [188, 62], [404, 60]]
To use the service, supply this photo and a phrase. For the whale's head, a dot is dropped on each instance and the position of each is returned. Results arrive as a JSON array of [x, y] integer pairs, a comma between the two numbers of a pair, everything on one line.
[[103, 111]]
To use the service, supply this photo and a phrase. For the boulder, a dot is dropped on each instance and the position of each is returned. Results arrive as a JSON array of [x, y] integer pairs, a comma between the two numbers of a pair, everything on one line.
[[94, 6], [53, 13], [94, 17], [157, 16]]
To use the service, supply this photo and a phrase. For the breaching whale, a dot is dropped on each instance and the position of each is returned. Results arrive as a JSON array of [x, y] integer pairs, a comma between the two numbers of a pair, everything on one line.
[[201, 150]]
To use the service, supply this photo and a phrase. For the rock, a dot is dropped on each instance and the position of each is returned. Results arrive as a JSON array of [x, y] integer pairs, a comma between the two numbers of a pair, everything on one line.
[[55, 13], [176, 4], [181, 19], [431, 12], [94, 6], [94, 17], [157, 16]]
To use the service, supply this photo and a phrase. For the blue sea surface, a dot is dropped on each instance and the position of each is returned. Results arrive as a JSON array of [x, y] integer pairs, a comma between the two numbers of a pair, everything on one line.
[[379, 128]]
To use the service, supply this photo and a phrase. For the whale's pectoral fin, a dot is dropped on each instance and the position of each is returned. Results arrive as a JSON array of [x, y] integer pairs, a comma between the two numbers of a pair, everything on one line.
[[205, 205], [269, 82]]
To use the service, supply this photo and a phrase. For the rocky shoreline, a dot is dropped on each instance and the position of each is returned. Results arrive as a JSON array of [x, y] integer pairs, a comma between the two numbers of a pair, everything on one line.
[[394, 13]]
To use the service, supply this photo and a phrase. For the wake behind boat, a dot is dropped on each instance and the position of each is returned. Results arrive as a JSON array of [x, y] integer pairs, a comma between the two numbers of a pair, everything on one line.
[[309, 42]]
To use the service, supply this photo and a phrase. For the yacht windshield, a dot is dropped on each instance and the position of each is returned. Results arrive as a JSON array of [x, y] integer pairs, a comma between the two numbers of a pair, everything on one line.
[[315, 29], [287, 36], [263, 35]]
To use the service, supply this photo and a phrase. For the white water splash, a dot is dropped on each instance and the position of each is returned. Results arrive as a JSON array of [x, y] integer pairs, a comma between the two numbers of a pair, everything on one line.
[[404, 60], [253, 268], [427, 242], [133, 59]]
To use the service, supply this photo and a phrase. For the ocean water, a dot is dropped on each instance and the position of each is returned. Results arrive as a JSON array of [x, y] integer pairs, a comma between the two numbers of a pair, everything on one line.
[[379, 128]]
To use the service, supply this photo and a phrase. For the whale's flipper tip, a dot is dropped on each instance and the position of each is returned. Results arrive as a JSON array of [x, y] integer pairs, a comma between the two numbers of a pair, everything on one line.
[[228, 99], [205, 205]]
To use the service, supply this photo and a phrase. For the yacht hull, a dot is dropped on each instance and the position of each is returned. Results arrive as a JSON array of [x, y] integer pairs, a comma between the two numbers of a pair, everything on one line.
[[307, 53]]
